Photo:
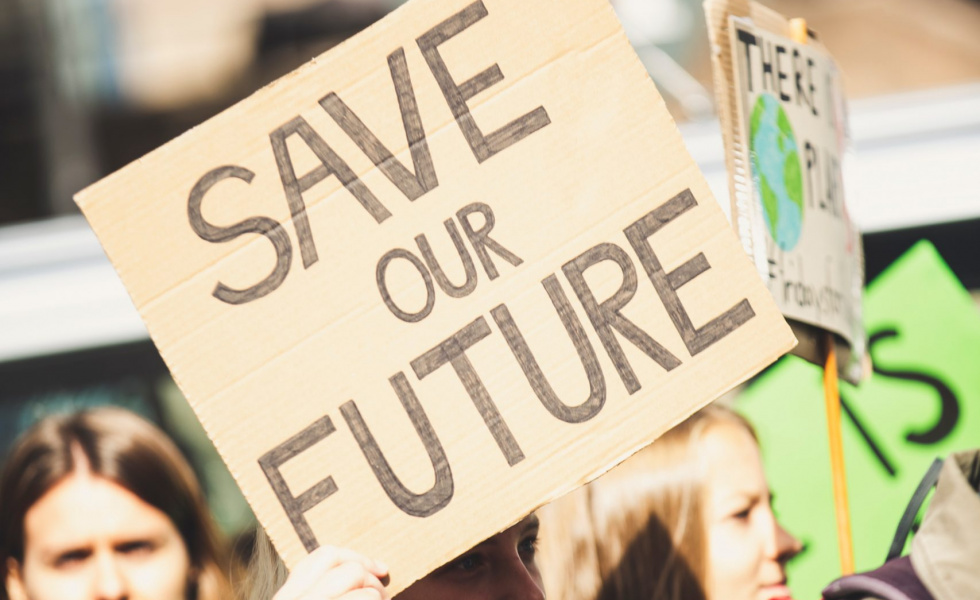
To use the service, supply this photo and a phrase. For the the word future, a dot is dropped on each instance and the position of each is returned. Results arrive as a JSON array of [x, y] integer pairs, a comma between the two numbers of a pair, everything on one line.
[[608, 322]]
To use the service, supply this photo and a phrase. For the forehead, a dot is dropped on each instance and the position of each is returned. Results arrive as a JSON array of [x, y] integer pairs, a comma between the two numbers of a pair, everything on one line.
[[731, 460], [84, 508], [512, 534]]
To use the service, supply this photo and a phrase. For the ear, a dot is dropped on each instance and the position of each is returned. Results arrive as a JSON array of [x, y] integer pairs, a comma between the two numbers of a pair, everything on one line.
[[15, 581]]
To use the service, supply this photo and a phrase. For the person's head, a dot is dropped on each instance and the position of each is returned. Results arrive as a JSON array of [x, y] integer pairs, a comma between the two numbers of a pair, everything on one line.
[[101, 505], [687, 517], [747, 548], [503, 567]]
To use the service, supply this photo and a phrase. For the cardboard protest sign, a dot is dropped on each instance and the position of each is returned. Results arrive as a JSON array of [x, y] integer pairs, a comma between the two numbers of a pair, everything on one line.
[[786, 143], [437, 277], [922, 402]]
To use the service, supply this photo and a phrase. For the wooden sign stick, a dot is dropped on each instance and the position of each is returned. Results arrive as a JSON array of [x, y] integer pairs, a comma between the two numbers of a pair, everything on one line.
[[799, 33], [832, 401]]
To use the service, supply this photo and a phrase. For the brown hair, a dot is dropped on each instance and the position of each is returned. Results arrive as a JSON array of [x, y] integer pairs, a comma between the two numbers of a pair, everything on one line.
[[638, 532], [124, 448]]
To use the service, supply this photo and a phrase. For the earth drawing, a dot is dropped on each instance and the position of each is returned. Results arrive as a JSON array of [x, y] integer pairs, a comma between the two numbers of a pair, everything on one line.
[[776, 171]]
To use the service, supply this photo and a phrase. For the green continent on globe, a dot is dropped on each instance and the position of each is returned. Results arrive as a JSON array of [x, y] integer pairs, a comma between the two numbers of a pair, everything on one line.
[[776, 171]]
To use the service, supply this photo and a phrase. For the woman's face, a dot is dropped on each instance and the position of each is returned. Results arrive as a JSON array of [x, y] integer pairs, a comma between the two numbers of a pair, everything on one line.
[[501, 568], [88, 538], [747, 548]]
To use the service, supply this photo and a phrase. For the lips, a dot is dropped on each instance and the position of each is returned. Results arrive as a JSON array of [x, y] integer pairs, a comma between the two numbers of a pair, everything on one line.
[[777, 591]]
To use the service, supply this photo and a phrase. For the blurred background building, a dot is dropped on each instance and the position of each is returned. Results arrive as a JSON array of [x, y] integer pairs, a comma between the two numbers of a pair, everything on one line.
[[86, 86]]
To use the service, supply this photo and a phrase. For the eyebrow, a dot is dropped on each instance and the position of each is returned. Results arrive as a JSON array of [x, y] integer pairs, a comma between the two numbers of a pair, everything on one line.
[[55, 553], [532, 522], [529, 522]]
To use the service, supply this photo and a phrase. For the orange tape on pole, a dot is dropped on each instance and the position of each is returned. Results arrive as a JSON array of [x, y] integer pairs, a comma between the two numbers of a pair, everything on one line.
[[798, 30]]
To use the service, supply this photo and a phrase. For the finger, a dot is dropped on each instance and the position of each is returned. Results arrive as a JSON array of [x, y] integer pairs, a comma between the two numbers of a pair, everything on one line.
[[345, 578], [334, 583], [366, 594], [325, 557], [319, 562]]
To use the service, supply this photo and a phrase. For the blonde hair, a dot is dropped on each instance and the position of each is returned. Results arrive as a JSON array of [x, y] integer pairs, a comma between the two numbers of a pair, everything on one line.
[[638, 532], [129, 451], [266, 570]]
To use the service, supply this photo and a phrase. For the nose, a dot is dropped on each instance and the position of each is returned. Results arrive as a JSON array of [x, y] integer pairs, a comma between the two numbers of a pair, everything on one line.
[[787, 546], [523, 581], [110, 579], [779, 544]]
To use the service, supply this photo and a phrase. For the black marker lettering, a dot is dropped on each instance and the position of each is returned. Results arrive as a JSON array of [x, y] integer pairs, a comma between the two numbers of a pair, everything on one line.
[[457, 95], [606, 316], [296, 506], [453, 351], [868, 437], [812, 180], [798, 79], [949, 404], [480, 238], [412, 185], [781, 75], [809, 80], [532, 370], [417, 505], [667, 284], [747, 39], [331, 165], [430, 290], [766, 52], [270, 228], [440, 276]]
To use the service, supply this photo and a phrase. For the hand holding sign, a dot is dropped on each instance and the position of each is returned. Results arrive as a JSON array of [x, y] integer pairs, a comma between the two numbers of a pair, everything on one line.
[[513, 277], [330, 573]]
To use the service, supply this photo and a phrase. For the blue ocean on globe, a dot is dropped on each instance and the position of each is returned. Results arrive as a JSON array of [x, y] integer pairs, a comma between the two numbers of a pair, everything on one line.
[[776, 171]]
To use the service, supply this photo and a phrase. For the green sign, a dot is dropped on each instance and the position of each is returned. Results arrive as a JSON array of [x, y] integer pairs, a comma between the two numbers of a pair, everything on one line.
[[922, 402]]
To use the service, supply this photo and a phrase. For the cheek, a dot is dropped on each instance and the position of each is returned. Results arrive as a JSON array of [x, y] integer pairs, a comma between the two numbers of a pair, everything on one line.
[[163, 576], [734, 560], [430, 588], [536, 575], [50, 584]]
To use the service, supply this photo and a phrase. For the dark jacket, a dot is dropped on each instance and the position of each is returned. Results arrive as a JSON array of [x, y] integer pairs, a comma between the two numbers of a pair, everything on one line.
[[944, 563]]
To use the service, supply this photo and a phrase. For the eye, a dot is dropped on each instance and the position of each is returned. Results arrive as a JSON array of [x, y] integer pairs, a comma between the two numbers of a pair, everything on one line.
[[135, 547], [528, 547], [743, 514], [72, 558], [468, 562]]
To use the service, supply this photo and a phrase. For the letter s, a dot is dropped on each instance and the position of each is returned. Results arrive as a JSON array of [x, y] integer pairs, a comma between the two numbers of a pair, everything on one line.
[[264, 225], [949, 406]]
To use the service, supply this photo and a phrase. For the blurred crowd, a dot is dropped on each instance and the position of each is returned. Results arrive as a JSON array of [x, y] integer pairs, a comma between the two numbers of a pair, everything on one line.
[[100, 504]]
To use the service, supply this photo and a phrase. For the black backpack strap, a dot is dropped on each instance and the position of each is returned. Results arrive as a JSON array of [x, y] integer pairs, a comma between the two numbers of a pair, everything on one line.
[[908, 517]]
